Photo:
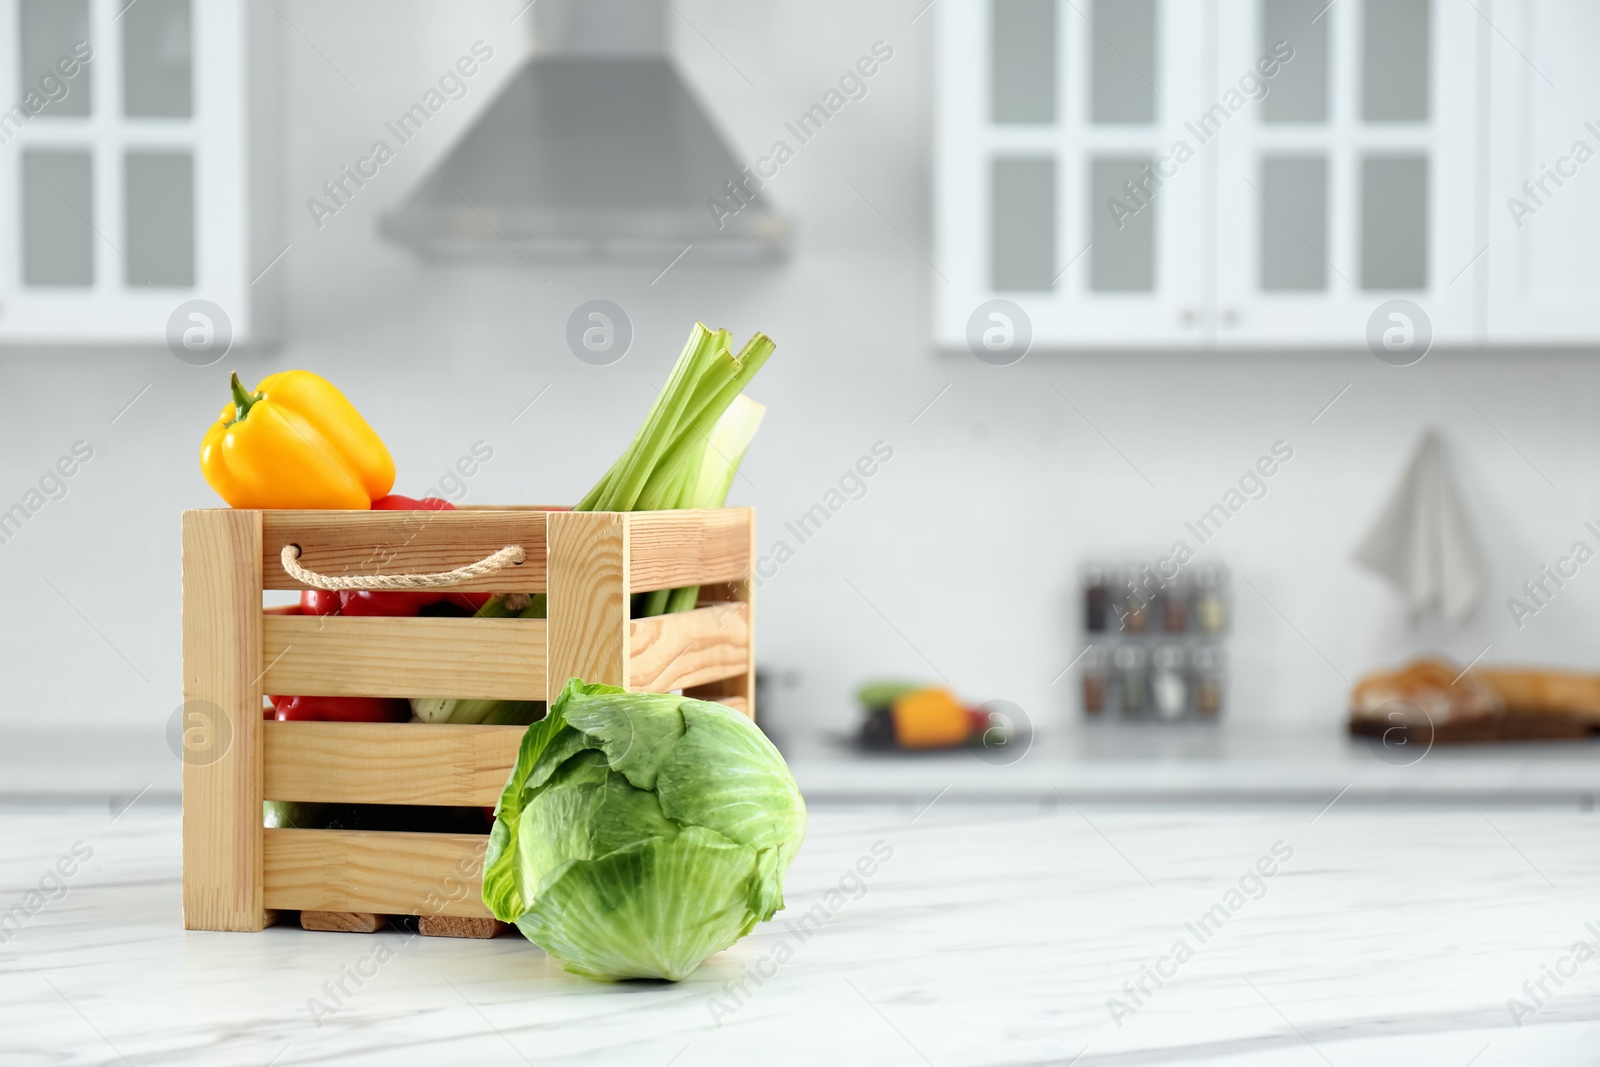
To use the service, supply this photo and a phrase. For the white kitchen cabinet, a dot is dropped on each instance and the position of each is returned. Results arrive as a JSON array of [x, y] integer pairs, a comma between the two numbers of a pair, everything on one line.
[[136, 169], [1043, 116], [1375, 166], [1543, 171], [1352, 182]]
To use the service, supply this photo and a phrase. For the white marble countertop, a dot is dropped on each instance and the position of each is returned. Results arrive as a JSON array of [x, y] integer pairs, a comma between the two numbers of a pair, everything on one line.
[[994, 935]]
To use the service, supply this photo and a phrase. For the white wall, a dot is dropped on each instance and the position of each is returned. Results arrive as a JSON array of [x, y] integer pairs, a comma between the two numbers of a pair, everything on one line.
[[964, 549]]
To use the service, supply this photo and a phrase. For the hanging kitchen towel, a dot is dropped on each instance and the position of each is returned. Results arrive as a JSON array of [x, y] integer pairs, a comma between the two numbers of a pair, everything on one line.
[[1424, 543]]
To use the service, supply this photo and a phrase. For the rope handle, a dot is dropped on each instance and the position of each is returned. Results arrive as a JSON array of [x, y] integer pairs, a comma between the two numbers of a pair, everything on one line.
[[509, 556]]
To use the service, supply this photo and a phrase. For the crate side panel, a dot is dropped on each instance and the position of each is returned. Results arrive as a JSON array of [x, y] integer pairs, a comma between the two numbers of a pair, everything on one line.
[[389, 763], [688, 648], [346, 543], [310, 655], [365, 870], [698, 546]]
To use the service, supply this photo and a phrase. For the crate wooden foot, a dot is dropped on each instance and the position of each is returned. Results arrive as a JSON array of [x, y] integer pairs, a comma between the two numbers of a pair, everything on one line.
[[345, 922], [460, 926]]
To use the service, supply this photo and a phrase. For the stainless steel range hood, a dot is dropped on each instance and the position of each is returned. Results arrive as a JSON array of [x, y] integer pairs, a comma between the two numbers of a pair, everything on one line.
[[595, 150]]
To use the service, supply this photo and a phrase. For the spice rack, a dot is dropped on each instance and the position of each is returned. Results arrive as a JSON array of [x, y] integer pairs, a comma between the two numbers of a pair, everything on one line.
[[1155, 643]]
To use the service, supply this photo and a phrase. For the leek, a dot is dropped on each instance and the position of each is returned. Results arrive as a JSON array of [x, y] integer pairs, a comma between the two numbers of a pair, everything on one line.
[[686, 455], [689, 449], [708, 487]]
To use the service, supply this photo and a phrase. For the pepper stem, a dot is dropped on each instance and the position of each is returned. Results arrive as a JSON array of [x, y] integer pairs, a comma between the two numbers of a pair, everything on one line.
[[242, 401]]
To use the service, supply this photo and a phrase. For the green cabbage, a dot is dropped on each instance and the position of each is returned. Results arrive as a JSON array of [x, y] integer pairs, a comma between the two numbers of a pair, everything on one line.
[[640, 832]]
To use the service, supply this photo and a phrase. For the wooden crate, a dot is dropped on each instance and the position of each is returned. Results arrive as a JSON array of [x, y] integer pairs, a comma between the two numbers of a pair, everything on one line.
[[236, 873]]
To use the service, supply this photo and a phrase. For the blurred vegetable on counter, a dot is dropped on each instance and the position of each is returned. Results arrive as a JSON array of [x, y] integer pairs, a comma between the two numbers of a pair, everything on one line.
[[912, 716]]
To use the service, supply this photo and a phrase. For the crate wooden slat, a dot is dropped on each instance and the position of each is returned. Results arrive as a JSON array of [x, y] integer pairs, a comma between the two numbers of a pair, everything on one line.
[[389, 763], [688, 648], [382, 657], [590, 597], [388, 872], [701, 546], [738, 691], [343, 543]]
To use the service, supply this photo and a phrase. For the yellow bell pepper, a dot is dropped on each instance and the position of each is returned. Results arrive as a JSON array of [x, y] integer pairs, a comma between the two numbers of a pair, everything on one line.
[[295, 442]]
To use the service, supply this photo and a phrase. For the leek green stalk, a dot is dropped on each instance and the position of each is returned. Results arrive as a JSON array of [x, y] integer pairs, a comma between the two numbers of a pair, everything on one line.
[[707, 487], [684, 456], [689, 448]]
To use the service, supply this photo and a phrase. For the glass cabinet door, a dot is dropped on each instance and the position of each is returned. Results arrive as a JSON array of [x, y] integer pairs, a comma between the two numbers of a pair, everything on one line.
[[1059, 186], [1349, 178], [112, 117]]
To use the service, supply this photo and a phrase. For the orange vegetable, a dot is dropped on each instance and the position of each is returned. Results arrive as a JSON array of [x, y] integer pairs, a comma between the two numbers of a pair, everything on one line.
[[929, 718]]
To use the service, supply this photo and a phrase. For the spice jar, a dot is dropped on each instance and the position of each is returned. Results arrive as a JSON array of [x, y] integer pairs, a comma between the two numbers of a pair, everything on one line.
[[1210, 606], [1175, 607], [1208, 670], [1095, 681], [1096, 599], [1135, 608], [1129, 662], [1169, 688]]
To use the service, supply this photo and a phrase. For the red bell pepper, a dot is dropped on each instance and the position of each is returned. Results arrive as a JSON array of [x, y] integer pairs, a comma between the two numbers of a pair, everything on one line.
[[339, 709], [396, 502], [374, 603], [320, 602], [333, 709], [370, 603], [468, 602]]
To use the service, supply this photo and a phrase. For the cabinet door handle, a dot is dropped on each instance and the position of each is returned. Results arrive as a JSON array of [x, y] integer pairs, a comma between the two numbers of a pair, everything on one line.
[[1187, 316], [1230, 316]]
